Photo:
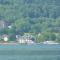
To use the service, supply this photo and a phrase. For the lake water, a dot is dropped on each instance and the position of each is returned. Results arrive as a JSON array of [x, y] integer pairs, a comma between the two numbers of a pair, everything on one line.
[[29, 52]]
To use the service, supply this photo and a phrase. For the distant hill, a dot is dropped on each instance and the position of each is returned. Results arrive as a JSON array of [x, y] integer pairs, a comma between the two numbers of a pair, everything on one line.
[[34, 16]]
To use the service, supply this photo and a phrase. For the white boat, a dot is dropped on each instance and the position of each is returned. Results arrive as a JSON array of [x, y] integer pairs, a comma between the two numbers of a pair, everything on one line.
[[50, 42]]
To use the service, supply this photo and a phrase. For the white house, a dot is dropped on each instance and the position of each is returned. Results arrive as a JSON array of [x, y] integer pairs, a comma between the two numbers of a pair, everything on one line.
[[5, 37]]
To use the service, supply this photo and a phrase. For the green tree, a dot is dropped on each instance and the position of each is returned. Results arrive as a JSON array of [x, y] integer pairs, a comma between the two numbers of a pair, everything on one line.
[[46, 36]]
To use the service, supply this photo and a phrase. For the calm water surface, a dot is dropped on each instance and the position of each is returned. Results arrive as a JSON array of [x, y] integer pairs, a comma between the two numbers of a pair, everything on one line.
[[29, 52]]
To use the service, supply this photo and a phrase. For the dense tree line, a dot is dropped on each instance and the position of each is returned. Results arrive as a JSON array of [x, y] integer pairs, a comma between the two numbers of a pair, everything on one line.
[[31, 16]]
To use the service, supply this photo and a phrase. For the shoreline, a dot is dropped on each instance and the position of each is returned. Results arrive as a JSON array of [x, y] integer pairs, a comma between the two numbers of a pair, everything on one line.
[[27, 43]]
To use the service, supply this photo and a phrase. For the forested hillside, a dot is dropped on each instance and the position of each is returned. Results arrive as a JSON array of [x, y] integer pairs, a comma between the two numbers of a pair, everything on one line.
[[31, 16]]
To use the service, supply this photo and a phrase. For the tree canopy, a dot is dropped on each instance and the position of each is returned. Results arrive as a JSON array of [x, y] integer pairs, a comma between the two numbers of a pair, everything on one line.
[[30, 16]]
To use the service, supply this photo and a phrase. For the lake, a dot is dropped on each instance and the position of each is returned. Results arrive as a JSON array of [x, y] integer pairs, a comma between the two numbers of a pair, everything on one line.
[[29, 52]]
